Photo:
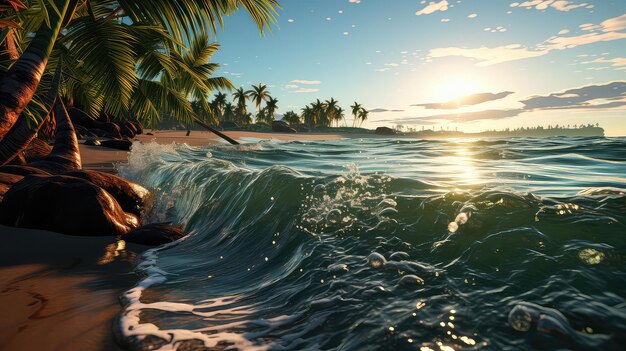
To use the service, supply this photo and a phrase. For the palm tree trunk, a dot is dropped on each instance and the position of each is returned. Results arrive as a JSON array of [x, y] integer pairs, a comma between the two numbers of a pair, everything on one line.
[[22, 132], [216, 132], [65, 155], [18, 86], [8, 48]]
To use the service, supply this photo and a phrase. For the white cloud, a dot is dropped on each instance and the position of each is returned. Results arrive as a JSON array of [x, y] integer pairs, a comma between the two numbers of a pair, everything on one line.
[[472, 15], [306, 82], [433, 7], [606, 31], [291, 86], [614, 24], [290, 20], [445, 20], [304, 91], [560, 5], [354, 1], [563, 31], [616, 62], [489, 56]]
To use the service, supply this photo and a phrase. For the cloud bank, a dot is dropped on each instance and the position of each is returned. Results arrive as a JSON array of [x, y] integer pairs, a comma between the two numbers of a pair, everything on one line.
[[468, 100]]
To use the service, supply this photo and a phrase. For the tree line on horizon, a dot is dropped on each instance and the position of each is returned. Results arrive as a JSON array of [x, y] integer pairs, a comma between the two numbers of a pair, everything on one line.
[[316, 114]]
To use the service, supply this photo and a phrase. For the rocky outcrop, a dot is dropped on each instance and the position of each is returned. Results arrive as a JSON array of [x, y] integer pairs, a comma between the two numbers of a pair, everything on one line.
[[282, 127], [133, 197], [154, 234], [117, 144], [66, 205]]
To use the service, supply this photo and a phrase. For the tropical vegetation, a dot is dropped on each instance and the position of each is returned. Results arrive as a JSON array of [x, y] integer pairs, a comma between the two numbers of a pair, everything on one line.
[[128, 59]]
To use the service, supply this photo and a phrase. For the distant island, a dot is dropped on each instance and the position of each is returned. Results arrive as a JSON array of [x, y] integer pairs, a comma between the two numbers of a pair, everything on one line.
[[588, 130]]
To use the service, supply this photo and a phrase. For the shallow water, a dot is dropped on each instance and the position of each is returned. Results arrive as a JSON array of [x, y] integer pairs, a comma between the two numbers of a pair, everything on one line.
[[379, 244]]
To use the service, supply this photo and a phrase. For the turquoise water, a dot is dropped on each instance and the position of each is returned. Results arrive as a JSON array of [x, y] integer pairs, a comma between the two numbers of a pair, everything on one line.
[[379, 244]]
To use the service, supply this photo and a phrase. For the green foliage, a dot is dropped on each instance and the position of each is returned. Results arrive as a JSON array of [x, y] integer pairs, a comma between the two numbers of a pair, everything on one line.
[[135, 58]]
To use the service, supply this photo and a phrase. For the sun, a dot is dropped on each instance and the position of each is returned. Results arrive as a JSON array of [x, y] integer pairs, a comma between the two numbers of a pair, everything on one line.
[[453, 89]]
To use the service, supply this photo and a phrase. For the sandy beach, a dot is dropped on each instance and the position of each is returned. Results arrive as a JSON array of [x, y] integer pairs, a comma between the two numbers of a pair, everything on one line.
[[102, 159], [59, 292]]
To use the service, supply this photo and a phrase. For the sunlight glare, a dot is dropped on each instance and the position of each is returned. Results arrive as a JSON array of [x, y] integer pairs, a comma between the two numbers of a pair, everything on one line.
[[453, 89]]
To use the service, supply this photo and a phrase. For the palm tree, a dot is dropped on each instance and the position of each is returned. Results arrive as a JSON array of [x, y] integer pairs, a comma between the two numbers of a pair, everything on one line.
[[229, 112], [219, 103], [363, 116], [101, 34], [319, 115], [356, 108], [271, 107], [331, 110], [292, 118], [307, 116], [240, 97], [258, 94], [339, 115]]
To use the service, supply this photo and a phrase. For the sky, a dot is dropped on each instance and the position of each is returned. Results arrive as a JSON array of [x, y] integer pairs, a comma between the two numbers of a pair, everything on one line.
[[468, 65]]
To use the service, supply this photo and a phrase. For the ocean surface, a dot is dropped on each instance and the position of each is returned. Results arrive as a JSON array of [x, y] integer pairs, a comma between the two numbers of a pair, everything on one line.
[[384, 244]]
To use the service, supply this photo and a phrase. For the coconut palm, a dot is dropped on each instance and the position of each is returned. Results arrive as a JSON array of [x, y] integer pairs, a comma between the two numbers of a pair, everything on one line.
[[339, 115], [240, 97], [330, 109], [356, 108], [319, 115], [292, 118], [271, 107], [229, 112], [258, 94], [103, 34], [363, 116], [307, 116], [219, 103]]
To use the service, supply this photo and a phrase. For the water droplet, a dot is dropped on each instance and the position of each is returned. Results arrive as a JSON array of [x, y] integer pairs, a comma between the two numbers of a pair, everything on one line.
[[462, 218], [520, 318], [376, 260], [391, 329], [266, 259], [453, 227]]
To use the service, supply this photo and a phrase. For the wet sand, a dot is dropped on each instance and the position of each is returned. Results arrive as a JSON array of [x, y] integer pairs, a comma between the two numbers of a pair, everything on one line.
[[59, 292]]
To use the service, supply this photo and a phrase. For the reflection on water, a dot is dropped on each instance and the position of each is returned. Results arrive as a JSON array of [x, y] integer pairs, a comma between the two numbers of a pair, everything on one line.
[[117, 251], [385, 244]]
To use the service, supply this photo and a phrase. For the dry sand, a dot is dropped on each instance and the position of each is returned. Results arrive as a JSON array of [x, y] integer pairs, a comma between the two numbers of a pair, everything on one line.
[[59, 292]]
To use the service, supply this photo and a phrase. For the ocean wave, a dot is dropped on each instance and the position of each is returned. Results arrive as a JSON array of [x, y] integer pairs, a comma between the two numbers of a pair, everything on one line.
[[292, 247]]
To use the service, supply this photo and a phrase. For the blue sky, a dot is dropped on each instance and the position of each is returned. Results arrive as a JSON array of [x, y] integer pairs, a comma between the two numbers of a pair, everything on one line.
[[517, 63]]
